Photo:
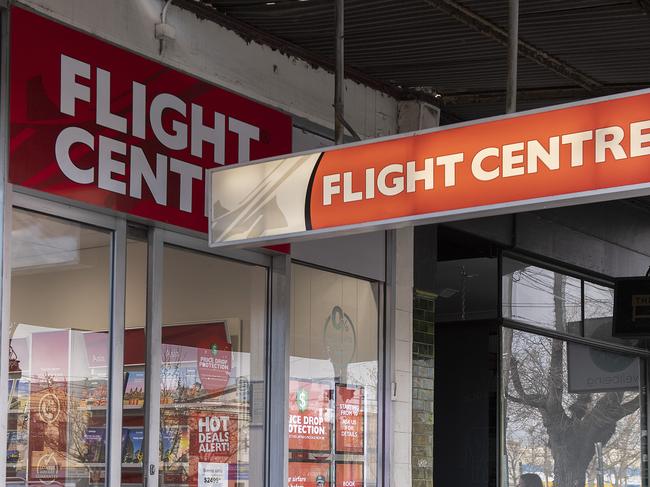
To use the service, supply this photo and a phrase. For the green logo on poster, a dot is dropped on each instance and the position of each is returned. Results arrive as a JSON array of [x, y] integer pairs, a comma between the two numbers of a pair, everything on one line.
[[214, 349], [302, 400]]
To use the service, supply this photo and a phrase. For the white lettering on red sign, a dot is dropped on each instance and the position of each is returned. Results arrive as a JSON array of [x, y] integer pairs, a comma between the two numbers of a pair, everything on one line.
[[187, 129]]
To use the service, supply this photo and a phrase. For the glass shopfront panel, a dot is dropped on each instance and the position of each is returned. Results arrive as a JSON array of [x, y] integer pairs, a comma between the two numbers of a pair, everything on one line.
[[134, 393], [333, 383], [571, 414], [212, 376], [59, 352], [531, 295]]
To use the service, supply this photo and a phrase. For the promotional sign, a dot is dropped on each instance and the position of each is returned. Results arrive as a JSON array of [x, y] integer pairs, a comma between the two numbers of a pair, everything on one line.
[[349, 419], [213, 475], [204, 346], [309, 474], [594, 370], [309, 416], [213, 445], [98, 124], [48, 418], [598, 149], [349, 474]]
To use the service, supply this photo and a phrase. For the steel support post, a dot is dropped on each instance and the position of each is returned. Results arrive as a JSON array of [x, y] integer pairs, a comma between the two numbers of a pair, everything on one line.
[[513, 51]]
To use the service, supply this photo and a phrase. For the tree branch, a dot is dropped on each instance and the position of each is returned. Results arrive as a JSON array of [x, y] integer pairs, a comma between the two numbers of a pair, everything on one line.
[[535, 400]]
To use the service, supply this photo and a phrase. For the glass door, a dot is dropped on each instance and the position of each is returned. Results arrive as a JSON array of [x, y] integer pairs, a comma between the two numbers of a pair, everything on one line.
[[205, 376], [59, 351]]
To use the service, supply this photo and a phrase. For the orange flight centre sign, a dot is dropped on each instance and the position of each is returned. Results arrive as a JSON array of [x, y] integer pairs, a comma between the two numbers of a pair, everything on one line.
[[591, 151]]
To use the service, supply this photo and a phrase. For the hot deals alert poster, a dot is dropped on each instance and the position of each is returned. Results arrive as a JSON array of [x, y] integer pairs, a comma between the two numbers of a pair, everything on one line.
[[309, 474], [349, 474], [349, 419], [309, 416], [213, 445]]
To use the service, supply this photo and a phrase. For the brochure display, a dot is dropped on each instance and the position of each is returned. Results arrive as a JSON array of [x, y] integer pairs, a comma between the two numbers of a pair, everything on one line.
[[58, 406]]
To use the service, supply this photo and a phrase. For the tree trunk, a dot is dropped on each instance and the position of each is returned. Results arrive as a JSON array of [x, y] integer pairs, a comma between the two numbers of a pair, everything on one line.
[[568, 472], [570, 458]]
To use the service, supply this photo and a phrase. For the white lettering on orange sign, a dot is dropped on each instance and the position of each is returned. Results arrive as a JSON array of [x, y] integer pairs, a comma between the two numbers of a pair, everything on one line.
[[489, 163]]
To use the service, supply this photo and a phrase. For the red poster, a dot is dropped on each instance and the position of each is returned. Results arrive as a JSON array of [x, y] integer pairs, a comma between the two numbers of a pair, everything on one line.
[[309, 416], [48, 418], [214, 366], [204, 344], [214, 443], [309, 474], [349, 419], [99, 124], [349, 475]]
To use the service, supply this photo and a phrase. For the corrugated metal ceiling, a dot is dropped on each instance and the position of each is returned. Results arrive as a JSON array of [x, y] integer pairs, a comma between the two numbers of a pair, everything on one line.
[[413, 45]]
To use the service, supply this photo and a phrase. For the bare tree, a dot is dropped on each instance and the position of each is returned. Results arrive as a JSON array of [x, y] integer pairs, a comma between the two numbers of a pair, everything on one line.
[[623, 450], [537, 381]]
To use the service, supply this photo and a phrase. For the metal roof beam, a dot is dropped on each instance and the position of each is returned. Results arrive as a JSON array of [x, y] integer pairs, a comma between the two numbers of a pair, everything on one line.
[[250, 33], [492, 30], [536, 94]]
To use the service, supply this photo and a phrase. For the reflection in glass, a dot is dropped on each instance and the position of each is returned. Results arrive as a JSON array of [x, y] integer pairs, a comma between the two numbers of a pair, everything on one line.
[[563, 402], [599, 315], [466, 289], [532, 295], [333, 428], [59, 352]]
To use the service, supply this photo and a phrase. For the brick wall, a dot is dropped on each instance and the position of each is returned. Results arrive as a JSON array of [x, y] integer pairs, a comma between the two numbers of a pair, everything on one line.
[[422, 405]]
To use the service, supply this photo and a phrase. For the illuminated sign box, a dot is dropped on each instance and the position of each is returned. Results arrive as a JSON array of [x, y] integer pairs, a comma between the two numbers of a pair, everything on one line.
[[584, 152]]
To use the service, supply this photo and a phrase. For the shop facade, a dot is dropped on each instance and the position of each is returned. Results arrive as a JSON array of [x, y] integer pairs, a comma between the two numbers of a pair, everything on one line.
[[137, 355], [140, 355]]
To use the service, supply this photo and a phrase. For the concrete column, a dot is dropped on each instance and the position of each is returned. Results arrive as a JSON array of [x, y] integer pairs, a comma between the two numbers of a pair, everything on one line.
[[402, 359]]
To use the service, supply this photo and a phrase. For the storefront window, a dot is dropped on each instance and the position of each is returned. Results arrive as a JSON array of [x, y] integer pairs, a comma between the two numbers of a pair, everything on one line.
[[134, 393], [333, 393], [59, 352], [212, 375], [571, 413]]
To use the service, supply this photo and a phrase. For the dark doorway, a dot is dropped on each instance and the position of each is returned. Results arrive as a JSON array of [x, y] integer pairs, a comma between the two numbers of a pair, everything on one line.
[[465, 405]]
